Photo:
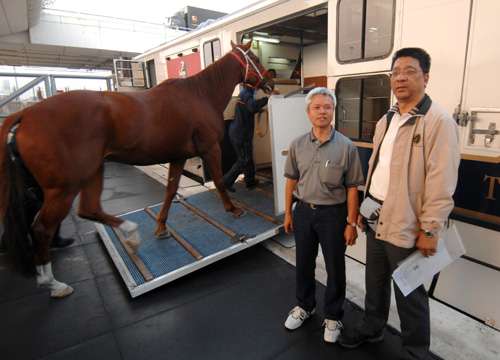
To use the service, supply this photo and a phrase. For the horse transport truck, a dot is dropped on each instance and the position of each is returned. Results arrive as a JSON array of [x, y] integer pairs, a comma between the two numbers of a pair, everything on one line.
[[347, 46]]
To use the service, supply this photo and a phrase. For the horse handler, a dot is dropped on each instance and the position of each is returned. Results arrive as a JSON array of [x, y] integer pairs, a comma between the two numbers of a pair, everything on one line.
[[241, 132], [323, 171]]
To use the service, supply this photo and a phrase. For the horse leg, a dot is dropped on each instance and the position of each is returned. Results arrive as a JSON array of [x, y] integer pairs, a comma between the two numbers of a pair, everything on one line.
[[56, 206], [90, 209], [174, 176], [213, 159]]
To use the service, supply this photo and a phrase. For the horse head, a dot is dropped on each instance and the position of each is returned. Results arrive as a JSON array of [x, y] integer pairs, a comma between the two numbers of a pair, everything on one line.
[[253, 72]]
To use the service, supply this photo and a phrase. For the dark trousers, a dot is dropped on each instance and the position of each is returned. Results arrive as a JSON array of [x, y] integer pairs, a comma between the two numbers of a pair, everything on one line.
[[382, 258], [32, 205], [324, 226], [244, 163]]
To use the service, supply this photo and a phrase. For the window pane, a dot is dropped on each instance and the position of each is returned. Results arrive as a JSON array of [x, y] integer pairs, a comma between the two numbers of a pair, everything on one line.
[[217, 50], [348, 107], [379, 28], [349, 19], [370, 97], [376, 102], [207, 53]]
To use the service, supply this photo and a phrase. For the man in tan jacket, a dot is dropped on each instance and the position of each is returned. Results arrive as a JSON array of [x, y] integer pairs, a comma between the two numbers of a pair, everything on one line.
[[412, 176]]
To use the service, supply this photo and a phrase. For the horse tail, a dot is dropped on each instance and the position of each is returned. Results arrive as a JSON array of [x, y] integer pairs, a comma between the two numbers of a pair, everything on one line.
[[16, 238]]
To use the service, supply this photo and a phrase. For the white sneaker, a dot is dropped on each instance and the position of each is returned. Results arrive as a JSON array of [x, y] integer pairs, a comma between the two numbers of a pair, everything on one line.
[[332, 330], [296, 317]]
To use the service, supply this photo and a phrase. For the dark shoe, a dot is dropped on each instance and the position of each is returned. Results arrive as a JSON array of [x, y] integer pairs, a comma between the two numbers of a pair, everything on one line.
[[353, 338], [252, 184], [60, 242], [231, 189]]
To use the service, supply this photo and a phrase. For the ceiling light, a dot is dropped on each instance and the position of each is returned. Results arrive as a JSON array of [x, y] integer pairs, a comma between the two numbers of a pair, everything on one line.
[[280, 60], [266, 39]]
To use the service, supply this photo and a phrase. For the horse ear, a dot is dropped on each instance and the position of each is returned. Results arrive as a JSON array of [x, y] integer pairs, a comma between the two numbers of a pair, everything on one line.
[[233, 45], [247, 45]]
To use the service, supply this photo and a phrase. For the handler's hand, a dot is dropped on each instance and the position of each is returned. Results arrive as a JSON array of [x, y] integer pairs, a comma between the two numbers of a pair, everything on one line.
[[288, 224], [427, 245], [350, 235]]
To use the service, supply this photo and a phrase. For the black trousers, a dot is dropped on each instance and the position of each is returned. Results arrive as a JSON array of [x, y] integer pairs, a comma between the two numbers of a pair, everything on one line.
[[244, 162], [324, 226], [32, 204], [382, 258]]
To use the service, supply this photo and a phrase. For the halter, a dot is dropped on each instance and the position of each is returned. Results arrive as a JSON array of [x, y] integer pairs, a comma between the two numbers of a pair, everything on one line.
[[249, 62]]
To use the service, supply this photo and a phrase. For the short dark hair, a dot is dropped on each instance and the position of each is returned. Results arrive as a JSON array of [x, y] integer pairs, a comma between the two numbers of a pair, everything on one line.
[[417, 53]]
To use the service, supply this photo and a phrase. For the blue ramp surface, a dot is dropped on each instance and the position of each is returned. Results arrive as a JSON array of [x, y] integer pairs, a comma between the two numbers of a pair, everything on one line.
[[166, 259]]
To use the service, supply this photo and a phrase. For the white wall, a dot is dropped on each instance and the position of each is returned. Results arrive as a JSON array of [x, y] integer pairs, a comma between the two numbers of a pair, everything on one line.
[[267, 50], [315, 60]]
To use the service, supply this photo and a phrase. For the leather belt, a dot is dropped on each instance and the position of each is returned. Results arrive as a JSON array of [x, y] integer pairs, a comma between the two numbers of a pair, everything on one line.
[[315, 206]]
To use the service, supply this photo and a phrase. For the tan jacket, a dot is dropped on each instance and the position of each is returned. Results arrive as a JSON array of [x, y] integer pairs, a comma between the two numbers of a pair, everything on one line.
[[423, 174]]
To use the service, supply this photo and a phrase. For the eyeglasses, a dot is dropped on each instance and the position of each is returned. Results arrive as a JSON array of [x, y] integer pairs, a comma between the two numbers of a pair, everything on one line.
[[406, 72], [319, 107]]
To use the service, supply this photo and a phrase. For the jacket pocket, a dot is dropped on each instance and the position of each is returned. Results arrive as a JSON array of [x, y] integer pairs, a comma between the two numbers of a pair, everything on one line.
[[332, 175]]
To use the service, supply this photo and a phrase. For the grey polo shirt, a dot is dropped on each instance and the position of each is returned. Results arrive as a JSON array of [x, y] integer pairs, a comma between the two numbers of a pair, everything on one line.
[[323, 170]]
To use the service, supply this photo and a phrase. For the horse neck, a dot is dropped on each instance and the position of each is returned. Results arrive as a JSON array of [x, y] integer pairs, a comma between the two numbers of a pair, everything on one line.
[[217, 82]]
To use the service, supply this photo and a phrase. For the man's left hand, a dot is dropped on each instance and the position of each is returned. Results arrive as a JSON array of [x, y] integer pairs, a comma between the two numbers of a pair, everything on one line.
[[427, 244], [350, 235]]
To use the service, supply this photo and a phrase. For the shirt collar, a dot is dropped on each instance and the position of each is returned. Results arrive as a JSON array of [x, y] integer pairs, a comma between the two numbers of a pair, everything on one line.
[[419, 110], [313, 138]]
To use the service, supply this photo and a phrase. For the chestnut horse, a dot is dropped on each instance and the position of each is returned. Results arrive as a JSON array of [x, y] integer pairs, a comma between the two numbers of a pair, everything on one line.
[[57, 148]]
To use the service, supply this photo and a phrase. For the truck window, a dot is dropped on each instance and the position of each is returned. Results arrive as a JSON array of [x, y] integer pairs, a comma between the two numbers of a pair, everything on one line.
[[361, 102], [365, 29], [211, 51]]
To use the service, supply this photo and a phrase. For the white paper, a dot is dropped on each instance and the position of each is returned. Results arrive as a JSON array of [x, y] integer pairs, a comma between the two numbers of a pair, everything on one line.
[[417, 269]]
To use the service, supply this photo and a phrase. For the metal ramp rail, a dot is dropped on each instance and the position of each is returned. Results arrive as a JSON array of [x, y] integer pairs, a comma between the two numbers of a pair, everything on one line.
[[13, 102], [202, 233]]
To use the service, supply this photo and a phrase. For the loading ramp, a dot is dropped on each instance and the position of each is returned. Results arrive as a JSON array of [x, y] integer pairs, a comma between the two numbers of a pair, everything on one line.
[[202, 232]]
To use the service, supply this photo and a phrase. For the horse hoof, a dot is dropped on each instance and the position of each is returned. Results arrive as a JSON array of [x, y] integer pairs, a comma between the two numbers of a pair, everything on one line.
[[133, 244], [61, 293], [163, 234], [239, 214]]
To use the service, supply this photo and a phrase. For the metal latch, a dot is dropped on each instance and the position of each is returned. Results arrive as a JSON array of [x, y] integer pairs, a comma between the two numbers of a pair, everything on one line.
[[489, 134], [462, 118]]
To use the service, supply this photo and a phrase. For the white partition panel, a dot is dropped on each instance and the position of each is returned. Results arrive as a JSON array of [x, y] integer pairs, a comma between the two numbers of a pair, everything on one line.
[[288, 120]]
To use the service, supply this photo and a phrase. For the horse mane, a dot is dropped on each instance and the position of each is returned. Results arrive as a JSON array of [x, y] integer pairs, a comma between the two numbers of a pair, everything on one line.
[[216, 82]]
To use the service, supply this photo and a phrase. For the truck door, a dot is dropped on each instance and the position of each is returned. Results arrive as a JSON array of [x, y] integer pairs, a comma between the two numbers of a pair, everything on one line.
[[477, 207], [287, 120]]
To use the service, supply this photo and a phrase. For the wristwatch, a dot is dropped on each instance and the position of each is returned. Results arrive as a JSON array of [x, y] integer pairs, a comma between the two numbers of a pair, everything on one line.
[[428, 233], [353, 224]]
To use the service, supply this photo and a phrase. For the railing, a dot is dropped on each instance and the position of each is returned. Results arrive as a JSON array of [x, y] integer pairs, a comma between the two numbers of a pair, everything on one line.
[[21, 98]]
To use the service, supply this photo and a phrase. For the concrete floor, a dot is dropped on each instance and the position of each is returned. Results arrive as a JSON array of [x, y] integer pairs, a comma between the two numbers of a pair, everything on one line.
[[234, 308], [453, 335]]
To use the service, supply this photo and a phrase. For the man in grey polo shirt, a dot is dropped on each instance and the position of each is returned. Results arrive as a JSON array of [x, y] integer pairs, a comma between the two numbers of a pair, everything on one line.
[[323, 171]]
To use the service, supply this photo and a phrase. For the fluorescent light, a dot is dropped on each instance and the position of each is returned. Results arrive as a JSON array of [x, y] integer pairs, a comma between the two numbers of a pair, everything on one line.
[[280, 60], [261, 33], [266, 39]]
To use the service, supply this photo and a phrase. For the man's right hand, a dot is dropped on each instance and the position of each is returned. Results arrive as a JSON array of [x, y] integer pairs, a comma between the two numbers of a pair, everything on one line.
[[288, 223]]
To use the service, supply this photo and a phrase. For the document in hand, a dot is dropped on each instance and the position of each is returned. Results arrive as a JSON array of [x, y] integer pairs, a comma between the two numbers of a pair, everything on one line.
[[416, 269]]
